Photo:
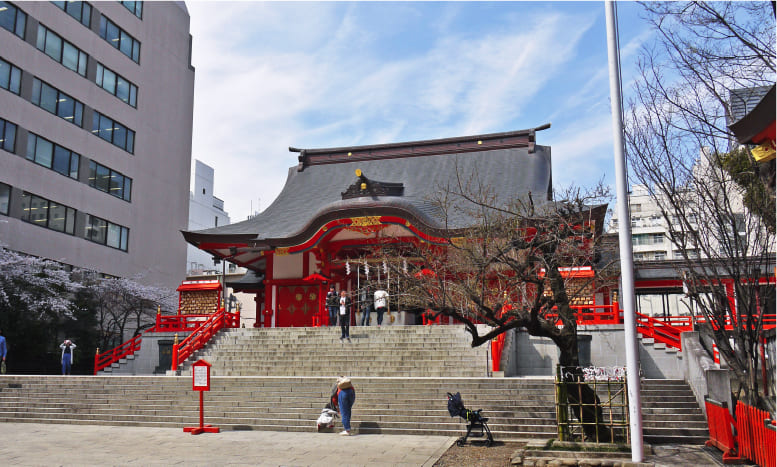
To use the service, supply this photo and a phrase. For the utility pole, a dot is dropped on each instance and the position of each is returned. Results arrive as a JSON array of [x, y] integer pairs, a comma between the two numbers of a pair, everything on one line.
[[624, 238]]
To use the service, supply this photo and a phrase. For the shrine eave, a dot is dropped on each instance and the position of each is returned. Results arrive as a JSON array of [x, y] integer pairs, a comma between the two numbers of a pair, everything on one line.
[[758, 124]]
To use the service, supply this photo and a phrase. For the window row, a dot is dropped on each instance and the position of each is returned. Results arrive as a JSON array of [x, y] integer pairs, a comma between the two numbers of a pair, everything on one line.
[[53, 156], [110, 181], [56, 216], [81, 11], [61, 50], [7, 135], [119, 39], [106, 233], [12, 19], [116, 85], [647, 239], [57, 102], [10, 77], [5, 197], [113, 132], [48, 214], [135, 8]]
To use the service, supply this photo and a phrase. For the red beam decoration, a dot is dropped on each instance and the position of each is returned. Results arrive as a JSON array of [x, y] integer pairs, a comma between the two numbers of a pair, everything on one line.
[[198, 285]]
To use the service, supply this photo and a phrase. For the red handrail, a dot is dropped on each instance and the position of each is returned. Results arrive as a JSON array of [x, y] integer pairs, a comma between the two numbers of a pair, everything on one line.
[[197, 339], [658, 330], [179, 323], [105, 359]]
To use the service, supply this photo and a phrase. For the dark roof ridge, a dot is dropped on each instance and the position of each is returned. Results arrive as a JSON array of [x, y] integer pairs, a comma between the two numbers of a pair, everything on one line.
[[482, 142]]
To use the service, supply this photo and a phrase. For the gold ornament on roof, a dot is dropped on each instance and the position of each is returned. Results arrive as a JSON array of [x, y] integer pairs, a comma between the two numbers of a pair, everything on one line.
[[365, 221]]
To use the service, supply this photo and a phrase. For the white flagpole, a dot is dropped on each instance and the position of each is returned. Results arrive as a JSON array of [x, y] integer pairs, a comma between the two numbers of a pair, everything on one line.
[[624, 238]]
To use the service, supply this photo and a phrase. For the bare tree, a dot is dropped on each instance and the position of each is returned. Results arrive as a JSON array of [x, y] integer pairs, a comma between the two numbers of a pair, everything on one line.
[[505, 271], [678, 146]]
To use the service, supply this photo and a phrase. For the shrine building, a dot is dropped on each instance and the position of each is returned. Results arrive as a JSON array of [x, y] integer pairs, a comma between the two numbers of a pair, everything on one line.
[[338, 201]]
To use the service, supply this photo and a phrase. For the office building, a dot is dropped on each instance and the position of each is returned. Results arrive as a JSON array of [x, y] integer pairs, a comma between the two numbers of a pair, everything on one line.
[[96, 104]]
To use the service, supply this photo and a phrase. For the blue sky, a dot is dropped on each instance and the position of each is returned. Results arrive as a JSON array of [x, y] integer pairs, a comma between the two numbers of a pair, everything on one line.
[[327, 74]]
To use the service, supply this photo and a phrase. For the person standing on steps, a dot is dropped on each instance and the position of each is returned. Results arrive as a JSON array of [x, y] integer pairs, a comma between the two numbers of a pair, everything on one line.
[[332, 305], [67, 356], [366, 305], [3, 352], [345, 315], [381, 304], [346, 396]]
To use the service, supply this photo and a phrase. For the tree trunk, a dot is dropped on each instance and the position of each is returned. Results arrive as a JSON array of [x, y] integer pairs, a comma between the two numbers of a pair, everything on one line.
[[582, 399]]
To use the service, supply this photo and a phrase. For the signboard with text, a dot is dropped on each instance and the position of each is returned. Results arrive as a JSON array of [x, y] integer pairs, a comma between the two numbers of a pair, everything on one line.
[[201, 376]]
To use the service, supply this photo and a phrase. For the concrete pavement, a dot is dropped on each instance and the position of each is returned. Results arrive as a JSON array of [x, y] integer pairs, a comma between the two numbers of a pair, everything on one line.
[[34, 444]]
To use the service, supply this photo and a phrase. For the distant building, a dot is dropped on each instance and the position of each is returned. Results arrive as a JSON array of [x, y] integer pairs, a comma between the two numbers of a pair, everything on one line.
[[649, 230], [96, 104], [205, 211]]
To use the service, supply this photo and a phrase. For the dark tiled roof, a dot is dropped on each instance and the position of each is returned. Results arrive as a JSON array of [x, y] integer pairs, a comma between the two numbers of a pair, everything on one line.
[[743, 101], [757, 116], [312, 193]]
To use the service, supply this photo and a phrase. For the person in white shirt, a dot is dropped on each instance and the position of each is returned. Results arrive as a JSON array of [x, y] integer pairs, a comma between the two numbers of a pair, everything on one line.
[[381, 304]]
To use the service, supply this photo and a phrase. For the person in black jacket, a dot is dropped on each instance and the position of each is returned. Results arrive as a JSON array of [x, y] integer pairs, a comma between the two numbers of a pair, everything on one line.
[[344, 314], [332, 305]]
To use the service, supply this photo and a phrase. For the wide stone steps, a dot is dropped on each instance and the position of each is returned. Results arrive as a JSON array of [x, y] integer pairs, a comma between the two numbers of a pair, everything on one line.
[[389, 351], [399, 406]]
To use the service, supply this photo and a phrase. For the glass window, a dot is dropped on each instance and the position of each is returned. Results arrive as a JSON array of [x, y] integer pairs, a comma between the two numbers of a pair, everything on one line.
[[70, 221], [81, 11], [116, 85], [135, 7], [113, 132], [57, 213], [106, 128], [122, 88], [48, 98], [60, 50], [109, 181], [43, 152], [114, 236], [61, 160], [12, 19], [127, 188], [7, 135], [119, 135], [103, 176], [5, 198], [109, 81], [57, 102], [119, 38], [53, 156], [124, 235], [70, 56], [10, 77], [53, 47], [96, 229]]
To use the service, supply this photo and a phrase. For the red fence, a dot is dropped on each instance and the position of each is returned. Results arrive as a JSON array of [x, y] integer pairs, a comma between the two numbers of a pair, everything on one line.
[[105, 359], [202, 335], [659, 330], [756, 435], [721, 426], [755, 438]]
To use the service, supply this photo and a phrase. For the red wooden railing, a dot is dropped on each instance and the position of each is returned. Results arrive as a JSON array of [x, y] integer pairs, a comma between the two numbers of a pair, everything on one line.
[[721, 426], [659, 330], [105, 359], [200, 336], [756, 437], [179, 323]]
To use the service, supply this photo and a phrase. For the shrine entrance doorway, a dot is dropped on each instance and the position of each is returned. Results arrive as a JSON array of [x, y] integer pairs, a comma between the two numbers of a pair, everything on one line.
[[297, 304]]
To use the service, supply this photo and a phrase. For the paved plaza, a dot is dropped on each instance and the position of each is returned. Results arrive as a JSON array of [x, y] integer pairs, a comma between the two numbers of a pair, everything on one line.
[[33, 444]]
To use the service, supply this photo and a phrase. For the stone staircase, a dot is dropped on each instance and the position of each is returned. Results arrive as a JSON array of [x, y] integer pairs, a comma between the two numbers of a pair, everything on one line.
[[280, 379], [387, 351], [518, 409]]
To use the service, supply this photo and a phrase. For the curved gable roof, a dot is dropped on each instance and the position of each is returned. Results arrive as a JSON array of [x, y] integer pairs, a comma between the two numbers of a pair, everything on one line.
[[312, 195]]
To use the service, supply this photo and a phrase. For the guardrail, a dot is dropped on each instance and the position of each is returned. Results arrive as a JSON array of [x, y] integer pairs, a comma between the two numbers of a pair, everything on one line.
[[202, 334], [105, 359]]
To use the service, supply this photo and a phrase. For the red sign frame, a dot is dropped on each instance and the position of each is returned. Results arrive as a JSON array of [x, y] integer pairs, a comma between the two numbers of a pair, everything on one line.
[[201, 375]]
